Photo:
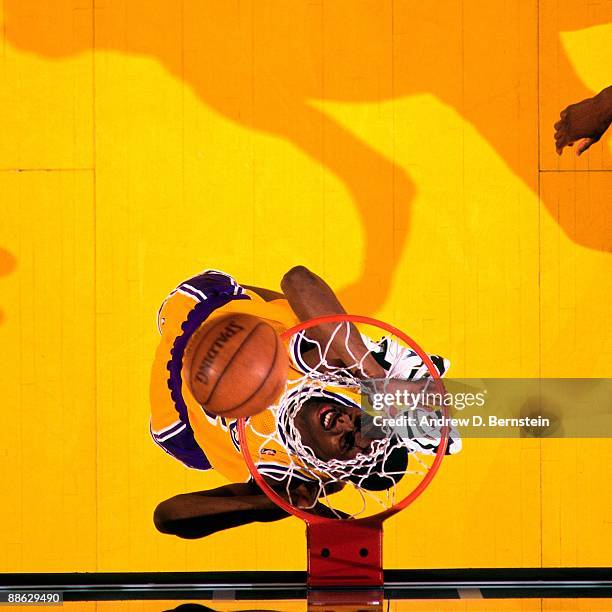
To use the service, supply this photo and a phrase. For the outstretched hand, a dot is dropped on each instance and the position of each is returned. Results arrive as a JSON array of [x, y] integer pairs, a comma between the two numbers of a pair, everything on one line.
[[584, 123]]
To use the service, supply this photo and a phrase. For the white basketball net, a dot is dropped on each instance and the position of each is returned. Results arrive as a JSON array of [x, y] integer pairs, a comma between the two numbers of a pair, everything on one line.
[[346, 384]]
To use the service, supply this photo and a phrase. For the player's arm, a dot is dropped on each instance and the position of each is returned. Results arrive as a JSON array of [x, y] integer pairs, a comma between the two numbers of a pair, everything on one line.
[[584, 122], [310, 296], [198, 514], [202, 513]]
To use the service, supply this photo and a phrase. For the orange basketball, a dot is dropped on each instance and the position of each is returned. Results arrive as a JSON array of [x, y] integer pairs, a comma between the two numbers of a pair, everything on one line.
[[236, 365]]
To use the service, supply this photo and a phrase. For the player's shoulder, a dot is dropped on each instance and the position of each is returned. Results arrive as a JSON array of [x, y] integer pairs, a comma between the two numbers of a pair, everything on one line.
[[212, 286], [225, 295]]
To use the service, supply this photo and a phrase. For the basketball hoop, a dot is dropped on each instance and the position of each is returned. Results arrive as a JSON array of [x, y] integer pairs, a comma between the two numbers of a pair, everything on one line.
[[346, 552]]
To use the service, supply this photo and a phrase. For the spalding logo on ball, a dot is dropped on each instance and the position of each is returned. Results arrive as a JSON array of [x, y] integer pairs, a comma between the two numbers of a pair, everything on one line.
[[236, 365]]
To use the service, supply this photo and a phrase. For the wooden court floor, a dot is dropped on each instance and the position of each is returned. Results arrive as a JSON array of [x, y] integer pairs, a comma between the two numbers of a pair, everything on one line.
[[401, 150]]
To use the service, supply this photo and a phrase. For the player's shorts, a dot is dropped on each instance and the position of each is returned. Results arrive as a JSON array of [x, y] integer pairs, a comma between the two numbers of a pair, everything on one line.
[[170, 427]]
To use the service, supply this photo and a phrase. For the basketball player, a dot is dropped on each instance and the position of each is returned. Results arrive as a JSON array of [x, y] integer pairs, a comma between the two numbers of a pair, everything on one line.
[[330, 424], [584, 122]]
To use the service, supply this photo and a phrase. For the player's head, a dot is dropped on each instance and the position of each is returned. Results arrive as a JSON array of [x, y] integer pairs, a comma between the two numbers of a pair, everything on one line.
[[332, 430], [327, 432]]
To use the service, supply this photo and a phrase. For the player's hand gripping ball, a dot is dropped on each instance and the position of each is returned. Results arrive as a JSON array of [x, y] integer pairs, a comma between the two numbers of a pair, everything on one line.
[[236, 365]]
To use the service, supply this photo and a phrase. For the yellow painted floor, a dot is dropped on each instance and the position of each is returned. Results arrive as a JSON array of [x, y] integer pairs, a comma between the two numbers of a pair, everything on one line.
[[402, 150]]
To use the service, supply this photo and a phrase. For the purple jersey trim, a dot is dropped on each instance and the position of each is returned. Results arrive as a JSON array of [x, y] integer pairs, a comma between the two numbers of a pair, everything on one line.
[[211, 282], [183, 446], [220, 290]]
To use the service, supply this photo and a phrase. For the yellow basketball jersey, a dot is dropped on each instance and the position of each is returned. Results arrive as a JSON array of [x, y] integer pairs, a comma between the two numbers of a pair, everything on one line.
[[183, 427], [215, 435]]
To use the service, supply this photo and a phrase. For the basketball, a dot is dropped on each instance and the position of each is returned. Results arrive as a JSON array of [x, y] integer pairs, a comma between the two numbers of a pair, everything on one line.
[[236, 365]]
